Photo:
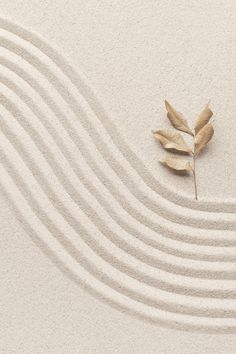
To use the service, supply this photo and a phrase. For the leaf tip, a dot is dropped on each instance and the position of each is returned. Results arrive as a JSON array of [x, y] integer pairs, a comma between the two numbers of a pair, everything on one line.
[[167, 104]]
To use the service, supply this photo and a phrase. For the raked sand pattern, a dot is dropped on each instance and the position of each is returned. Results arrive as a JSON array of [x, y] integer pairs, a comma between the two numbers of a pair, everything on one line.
[[93, 207]]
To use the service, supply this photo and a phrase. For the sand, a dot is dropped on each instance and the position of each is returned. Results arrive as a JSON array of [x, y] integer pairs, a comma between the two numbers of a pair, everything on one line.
[[121, 243]]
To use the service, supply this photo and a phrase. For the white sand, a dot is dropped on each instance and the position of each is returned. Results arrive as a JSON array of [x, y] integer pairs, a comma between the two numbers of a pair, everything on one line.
[[79, 170]]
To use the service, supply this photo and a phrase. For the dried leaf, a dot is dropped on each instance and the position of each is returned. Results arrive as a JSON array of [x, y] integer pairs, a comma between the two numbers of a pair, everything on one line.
[[176, 164], [203, 118], [172, 141], [203, 137], [177, 120]]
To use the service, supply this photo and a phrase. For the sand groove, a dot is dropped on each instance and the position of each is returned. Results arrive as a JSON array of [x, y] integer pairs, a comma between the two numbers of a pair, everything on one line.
[[97, 210]]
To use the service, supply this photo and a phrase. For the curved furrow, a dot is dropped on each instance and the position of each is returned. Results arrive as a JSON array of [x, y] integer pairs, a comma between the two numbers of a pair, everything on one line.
[[165, 229], [209, 220], [127, 243], [80, 82], [79, 251], [144, 260], [226, 256], [80, 272], [156, 277]]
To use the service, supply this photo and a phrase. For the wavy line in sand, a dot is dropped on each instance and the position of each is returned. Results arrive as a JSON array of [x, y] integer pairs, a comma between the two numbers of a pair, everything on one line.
[[9, 83], [219, 205], [88, 93], [78, 274], [127, 243], [194, 322], [80, 258], [26, 124], [158, 259], [195, 237]]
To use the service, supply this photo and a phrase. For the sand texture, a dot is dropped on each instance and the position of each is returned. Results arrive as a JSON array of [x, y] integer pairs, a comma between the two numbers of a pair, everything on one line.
[[79, 169]]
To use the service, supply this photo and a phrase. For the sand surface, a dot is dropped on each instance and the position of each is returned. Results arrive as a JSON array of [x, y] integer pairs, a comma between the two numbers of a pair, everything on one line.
[[103, 250]]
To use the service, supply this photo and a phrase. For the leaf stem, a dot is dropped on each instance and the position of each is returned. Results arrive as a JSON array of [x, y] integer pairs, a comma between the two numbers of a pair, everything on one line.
[[194, 176], [194, 168]]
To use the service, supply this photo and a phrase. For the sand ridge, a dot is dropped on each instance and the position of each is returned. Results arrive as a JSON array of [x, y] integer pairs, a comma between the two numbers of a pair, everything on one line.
[[79, 188]]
